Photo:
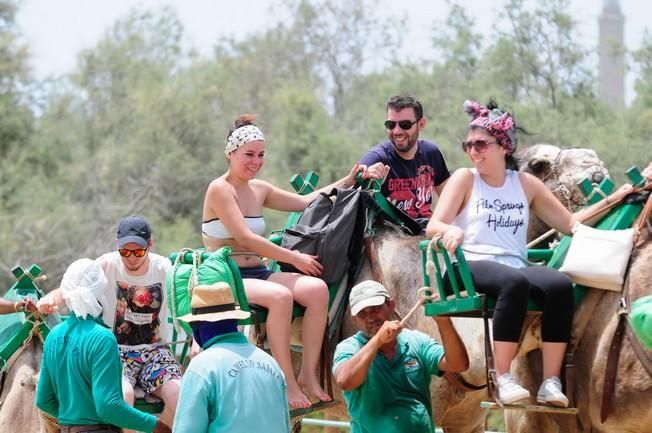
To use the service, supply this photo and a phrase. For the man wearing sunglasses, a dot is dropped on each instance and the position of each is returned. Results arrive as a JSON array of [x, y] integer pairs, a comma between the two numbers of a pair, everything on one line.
[[414, 169], [136, 311]]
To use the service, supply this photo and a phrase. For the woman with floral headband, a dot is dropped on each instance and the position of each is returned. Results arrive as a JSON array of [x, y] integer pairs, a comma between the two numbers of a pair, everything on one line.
[[233, 209], [485, 210]]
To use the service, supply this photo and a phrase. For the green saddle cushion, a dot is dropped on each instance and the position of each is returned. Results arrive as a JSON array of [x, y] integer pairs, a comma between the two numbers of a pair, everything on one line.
[[640, 318], [213, 269]]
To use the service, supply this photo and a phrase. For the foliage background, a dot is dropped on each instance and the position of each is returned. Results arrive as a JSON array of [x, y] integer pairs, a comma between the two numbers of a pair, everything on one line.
[[139, 126]]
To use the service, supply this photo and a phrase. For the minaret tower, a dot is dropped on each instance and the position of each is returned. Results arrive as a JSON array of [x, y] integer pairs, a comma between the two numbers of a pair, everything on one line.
[[612, 55]]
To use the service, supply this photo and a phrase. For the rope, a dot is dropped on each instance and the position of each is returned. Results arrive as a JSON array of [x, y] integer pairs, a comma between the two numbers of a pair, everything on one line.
[[430, 263]]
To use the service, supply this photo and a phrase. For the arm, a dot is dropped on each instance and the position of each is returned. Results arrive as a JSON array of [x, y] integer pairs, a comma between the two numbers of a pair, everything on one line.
[[647, 173], [106, 375], [223, 204], [8, 307], [450, 203], [193, 407], [352, 373], [288, 201], [547, 207], [51, 302], [46, 398], [455, 357], [440, 188]]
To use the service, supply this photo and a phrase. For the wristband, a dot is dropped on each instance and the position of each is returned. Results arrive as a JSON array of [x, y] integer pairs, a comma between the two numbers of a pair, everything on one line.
[[16, 309]]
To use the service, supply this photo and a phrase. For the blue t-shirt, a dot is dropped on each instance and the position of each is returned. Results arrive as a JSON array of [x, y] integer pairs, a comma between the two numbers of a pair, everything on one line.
[[395, 396], [410, 183], [235, 387]]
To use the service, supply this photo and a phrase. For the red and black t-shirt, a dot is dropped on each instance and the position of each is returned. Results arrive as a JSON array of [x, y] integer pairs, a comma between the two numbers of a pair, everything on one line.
[[410, 183]]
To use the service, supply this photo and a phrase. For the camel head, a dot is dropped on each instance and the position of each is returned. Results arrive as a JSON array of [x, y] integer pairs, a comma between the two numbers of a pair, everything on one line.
[[561, 170]]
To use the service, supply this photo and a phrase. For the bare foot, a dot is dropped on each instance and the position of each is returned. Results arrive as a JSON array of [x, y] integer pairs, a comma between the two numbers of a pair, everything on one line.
[[296, 398], [312, 387]]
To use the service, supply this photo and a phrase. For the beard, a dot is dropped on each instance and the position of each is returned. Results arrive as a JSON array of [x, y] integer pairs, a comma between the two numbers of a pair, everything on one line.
[[406, 145]]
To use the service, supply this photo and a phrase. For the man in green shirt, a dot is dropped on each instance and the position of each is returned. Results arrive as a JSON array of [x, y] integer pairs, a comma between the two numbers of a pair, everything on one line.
[[385, 370], [80, 379]]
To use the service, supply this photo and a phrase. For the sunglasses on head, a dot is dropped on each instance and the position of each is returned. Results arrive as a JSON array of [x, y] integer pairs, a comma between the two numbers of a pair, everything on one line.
[[403, 124], [138, 252], [480, 145]]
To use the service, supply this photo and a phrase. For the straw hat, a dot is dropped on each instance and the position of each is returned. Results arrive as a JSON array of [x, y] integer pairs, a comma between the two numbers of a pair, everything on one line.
[[212, 303]]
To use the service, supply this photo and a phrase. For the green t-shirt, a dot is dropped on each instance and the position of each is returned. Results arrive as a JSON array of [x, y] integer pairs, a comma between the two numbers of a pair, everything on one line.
[[81, 378], [395, 397]]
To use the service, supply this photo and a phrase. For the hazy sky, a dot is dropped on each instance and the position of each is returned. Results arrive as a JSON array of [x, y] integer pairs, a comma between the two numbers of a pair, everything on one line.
[[56, 30]]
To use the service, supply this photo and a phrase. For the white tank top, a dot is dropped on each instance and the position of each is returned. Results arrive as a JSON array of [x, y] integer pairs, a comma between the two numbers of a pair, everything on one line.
[[495, 221]]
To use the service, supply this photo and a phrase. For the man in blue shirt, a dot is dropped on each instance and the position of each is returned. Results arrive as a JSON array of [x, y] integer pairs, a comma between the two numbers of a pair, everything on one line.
[[414, 169], [385, 371], [231, 386]]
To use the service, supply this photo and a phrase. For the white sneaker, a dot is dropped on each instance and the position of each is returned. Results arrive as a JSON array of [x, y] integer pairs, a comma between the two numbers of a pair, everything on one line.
[[550, 393], [510, 392]]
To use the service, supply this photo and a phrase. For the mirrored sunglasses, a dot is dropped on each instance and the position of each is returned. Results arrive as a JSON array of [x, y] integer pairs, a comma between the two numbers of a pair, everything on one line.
[[138, 252]]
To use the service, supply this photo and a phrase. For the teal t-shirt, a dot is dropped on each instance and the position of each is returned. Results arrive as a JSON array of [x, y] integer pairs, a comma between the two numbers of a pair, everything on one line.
[[81, 378], [395, 397], [232, 387]]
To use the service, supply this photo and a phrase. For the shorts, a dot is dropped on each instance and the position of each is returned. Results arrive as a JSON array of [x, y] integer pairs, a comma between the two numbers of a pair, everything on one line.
[[148, 366], [259, 272]]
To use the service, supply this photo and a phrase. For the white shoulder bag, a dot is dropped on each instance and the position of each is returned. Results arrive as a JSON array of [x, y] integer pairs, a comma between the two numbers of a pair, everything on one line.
[[598, 258]]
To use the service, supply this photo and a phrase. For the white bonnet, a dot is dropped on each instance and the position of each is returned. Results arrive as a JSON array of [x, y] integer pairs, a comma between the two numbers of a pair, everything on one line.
[[83, 286]]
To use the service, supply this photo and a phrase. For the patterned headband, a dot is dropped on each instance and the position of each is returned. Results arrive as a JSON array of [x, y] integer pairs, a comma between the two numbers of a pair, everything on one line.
[[498, 123], [242, 135]]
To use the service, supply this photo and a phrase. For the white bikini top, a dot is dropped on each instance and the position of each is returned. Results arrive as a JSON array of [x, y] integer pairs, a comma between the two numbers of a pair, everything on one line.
[[215, 228]]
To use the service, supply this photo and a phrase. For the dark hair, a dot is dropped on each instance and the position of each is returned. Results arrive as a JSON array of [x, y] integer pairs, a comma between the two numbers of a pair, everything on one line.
[[401, 102], [242, 120]]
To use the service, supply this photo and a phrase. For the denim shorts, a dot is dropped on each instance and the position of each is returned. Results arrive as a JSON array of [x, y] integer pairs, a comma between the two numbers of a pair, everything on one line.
[[259, 272]]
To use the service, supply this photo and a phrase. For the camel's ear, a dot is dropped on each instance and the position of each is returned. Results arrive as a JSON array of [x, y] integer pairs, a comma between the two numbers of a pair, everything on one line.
[[538, 167]]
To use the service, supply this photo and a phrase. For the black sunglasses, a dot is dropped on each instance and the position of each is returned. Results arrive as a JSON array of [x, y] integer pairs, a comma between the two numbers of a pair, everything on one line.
[[403, 124]]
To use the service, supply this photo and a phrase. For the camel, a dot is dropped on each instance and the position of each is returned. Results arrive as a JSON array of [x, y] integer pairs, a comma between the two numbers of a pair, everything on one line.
[[560, 169], [455, 410], [17, 410], [633, 394]]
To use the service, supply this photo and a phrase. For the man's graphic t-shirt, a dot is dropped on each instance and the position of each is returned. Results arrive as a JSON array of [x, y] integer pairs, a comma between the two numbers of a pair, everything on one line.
[[410, 183], [137, 313], [136, 305]]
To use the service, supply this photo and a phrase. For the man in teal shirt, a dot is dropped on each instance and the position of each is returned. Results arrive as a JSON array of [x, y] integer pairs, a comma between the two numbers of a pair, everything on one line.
[[81, 371], [385, 370], [231, 386]]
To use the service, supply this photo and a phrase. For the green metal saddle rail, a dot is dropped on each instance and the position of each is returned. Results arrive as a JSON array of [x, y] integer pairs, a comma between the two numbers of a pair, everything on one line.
[[465, 301], [16, 329]]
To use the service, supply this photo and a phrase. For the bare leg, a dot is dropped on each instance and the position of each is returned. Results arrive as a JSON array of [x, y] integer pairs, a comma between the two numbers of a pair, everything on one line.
[[278, 301], [169, 393], [312, 293], [504, 352], [129, 396], [553, 356]]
